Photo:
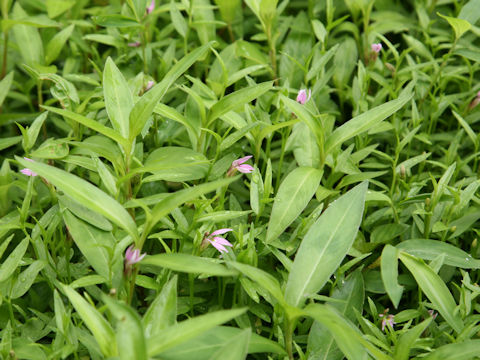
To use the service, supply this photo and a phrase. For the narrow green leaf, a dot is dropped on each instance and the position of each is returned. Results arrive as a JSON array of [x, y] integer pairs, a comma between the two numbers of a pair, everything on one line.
[[430, 249], [129, 331], [435, 289], [180, 197], [5, 85], [144, 106], [34, 129], [465, 350], [10, 141], [94, 244], [57, 43], [407, 340], [293, 196], [389, 268], [162, 312], [100, 328], [188, 329], [236, 348], [85, 193], [348, 338], [178, 20], [361, 123], [262, 278], [189, 264], [118, 98], [31, 47], [460, 26], [13, 260], [325, 245], [92, 124], [26, 279], [237, 99]]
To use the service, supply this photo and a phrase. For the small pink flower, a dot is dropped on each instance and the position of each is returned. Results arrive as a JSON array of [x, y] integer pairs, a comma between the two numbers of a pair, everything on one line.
[[302, 97], [240, 166], [134, 44], [132, 256], [149, 85], [387, 319], [218, 242], [376, 47], [151, 7], [27, 171], [475, 101]]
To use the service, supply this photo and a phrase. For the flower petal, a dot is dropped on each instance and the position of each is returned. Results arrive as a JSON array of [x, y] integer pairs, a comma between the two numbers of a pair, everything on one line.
[[220, 232], [218, 246], [245, 168], [222, 241]]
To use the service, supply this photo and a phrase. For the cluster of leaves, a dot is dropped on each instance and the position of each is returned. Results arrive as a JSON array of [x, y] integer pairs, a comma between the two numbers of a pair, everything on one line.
[[353, 235]]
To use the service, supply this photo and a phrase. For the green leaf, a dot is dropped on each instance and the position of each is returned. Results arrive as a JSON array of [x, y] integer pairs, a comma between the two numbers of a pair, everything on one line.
[[262, 278], [172, 163], [5, 85], [58, 7], [407, 340], [430, 249], [188, 329], [57, 43], [9, 141], [51, 149], [26, 279], [294, 194], [138, 7], [178, 20], [144, 106], [180, 197], [237, 99], [92, 124], [348, 338], [389, 268], [162, 312], [205, 345], [325, 245], [118, 98], [84, 213], [85, 193], [465, 350], [362, 123], [435, 289], [96, 245], [34, 129], [129, 331], [11, 263], [116, 20], [31, 46], [234, 349], [100, 328], [471, 134], [470, 11], [189, 264], [460, 26], [351, 294]]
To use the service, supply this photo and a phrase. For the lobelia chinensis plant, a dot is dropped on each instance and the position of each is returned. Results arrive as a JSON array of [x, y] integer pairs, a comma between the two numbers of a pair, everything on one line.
[[184, 203]]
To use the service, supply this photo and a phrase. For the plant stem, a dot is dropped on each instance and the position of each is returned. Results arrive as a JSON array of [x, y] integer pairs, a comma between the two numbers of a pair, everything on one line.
[[289, 324], [5, 53]]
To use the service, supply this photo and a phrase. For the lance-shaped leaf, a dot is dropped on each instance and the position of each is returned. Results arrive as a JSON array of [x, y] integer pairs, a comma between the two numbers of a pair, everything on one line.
[[325, 245], [389, 267], [118, 98], [85, 193], [293, 196], [435, 289], [144, 107]]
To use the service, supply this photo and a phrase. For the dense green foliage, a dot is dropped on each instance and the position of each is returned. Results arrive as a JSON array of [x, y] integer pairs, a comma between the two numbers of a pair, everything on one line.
[[231, 179]]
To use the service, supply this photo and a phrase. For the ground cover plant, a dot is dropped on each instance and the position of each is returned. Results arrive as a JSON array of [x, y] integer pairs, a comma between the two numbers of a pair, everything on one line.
[[228, 179]]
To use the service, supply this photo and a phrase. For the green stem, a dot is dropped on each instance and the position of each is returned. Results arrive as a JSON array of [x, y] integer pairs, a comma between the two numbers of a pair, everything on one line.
[[289, 326], [5, 53]]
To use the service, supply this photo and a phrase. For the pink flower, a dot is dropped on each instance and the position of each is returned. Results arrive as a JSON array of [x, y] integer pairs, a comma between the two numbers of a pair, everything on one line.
[[432, 314], [134, 44], [238, 165], [218, 242], [475, 101], [149, 85], [151, 7], [387, 319], [302, 97], [27, 171], [376, 47], [132, 256]]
